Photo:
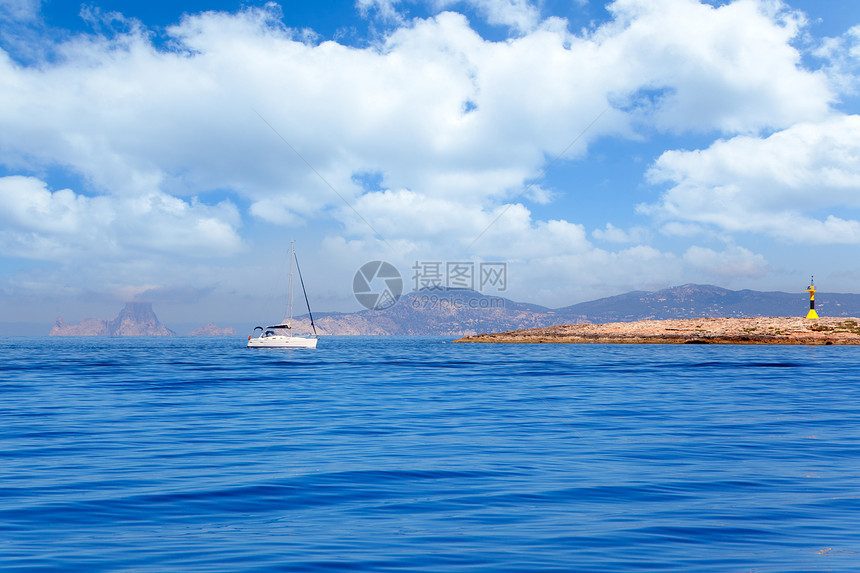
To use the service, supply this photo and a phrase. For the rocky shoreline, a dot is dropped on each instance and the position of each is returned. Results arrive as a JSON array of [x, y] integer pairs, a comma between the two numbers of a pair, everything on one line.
[[758, 330]]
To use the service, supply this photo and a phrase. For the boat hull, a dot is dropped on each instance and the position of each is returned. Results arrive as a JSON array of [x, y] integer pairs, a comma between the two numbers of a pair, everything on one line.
[[279, 341]]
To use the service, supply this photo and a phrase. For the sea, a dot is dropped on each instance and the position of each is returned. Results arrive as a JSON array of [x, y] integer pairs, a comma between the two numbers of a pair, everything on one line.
[[415, 454]]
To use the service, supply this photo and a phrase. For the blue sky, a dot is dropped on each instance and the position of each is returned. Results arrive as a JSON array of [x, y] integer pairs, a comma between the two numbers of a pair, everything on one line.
[[170, 151]]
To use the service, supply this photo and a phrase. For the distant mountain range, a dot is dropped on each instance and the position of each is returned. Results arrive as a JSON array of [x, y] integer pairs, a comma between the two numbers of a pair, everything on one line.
[[434, 312], [459, 312], [456, 312]]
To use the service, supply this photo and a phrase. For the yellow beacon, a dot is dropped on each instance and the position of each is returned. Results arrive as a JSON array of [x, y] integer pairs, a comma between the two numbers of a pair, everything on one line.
[[811, 290]]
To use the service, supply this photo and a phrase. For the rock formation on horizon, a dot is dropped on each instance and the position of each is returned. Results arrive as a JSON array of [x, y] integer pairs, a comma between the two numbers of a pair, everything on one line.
[[463, 312], [135, 319], [210, 329]]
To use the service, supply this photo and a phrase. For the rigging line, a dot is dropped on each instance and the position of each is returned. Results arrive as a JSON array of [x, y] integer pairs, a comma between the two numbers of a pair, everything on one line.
[[538, 178], [307, 302], [318, 174]]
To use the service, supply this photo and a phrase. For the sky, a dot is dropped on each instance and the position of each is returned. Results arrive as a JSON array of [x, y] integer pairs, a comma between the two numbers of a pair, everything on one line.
[[170, 151]]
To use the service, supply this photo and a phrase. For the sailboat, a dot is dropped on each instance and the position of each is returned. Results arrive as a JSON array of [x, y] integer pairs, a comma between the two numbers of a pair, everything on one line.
[[281, 335]]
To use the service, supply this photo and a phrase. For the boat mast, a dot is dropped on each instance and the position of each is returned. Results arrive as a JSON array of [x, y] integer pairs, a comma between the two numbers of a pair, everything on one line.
[[305, 292], [292, 256]]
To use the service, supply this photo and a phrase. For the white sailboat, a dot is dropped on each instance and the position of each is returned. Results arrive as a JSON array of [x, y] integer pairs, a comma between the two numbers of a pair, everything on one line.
[[281, 335]]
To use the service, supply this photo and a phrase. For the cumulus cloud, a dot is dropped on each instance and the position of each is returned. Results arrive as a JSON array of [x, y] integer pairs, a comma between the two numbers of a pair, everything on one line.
[[445, 111], [770, 185], [842, 57], [519, 15], [732, 67], [57, 225], [443, 227]]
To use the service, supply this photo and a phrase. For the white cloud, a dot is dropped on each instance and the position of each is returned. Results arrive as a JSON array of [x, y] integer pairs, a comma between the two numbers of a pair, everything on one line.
[[384, 9], [23, 10], [445, 227], [568, 278], [733, 262], [519, 15], [686, 65], [772, 185], [842, 55], [437, 109], [613, 234], [59, 225]]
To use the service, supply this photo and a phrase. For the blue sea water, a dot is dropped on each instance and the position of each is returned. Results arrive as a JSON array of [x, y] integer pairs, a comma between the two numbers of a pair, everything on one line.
[[414, 454]]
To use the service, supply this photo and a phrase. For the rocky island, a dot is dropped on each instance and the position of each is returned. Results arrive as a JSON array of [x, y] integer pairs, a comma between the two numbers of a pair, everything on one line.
[[758, 330], [135, 319]]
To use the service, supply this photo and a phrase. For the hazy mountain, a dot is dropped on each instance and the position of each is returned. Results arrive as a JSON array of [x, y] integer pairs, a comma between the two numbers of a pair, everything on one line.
[[456, 312], [693, 301], [688, 301], [434, 312], [135, 319]]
